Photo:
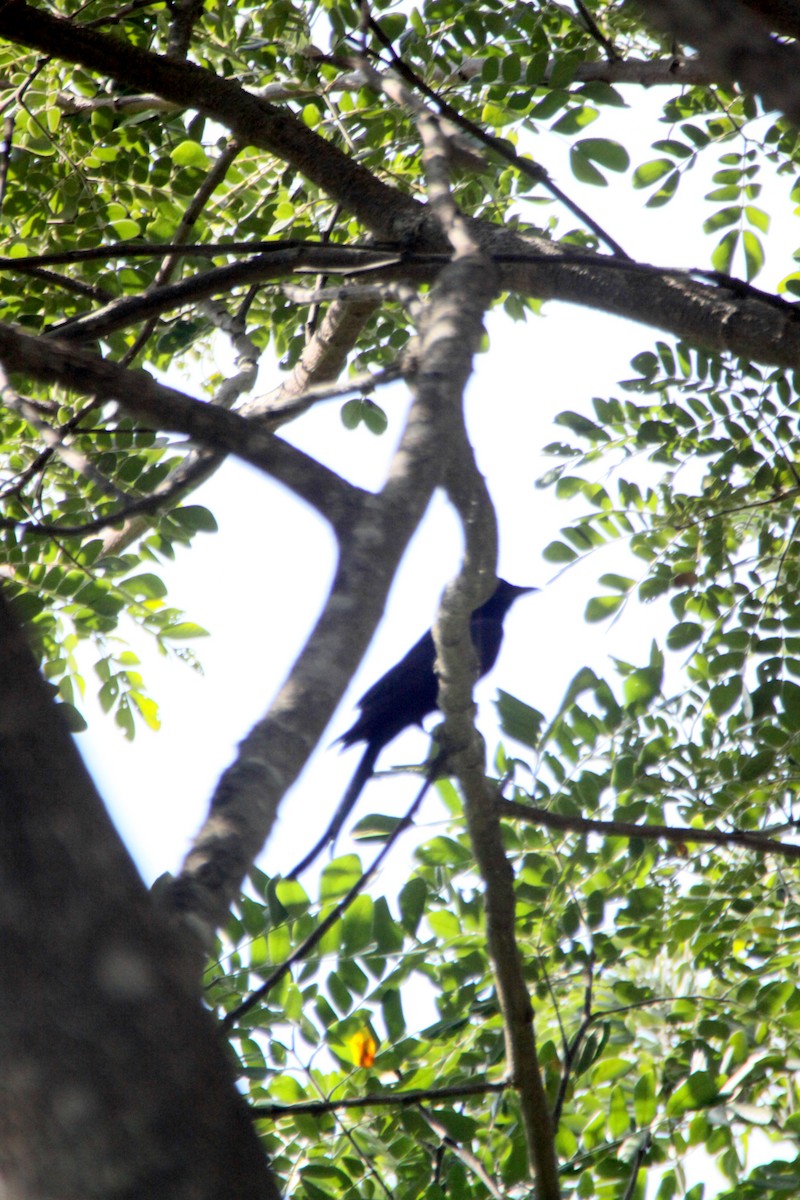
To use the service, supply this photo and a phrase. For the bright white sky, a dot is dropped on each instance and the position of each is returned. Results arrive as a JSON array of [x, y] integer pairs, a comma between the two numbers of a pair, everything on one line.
[[258, 584]]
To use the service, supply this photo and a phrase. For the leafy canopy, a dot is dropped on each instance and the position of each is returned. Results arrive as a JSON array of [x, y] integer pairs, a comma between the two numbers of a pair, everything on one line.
[[661, 968]]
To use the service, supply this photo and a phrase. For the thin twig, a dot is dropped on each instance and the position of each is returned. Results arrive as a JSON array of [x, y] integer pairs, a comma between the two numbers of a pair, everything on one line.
[[470, 1160], [400, 1098], [533, 171], [574, 1045], [612, 53], [670, 833], [333, 916]]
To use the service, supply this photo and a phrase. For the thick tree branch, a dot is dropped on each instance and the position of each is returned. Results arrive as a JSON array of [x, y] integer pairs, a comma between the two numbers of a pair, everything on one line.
[[272, 755], [114, 1080], [253, 121], [322, 360], [736, 45], [725, 315], [648, 72], [465, 753], [462, 745], [466, 759], [50, 361], [782, 16]]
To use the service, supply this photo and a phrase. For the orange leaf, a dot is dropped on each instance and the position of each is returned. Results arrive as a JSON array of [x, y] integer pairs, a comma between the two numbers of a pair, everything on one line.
[[364, 1046]]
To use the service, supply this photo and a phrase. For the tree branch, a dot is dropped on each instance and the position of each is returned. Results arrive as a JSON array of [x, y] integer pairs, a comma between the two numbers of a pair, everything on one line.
[[164, 407], [253, 121], [680, 834], [462, 746], [272, 755], [736, 45], [112, 1070], [725, 315], [400, 1098], [127, 310]]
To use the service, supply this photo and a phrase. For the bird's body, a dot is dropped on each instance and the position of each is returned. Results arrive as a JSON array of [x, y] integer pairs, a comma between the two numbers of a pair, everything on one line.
[[406, 694]]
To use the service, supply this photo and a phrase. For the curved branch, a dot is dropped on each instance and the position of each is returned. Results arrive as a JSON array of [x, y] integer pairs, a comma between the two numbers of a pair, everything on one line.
[[383, 209], [272, 755], [166, 408]]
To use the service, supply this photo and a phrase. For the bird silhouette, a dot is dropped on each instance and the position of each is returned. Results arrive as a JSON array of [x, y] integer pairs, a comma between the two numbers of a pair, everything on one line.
[[406, 694]]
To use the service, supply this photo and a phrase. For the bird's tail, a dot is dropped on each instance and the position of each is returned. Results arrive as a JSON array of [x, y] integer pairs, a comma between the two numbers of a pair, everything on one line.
[[360, 777]]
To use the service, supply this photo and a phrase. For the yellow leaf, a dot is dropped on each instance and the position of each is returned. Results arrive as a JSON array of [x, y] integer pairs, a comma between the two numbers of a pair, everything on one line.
[[364, 1046]]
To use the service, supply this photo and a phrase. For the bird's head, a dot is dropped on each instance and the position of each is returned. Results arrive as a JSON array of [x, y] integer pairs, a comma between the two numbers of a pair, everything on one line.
[[504, 596]]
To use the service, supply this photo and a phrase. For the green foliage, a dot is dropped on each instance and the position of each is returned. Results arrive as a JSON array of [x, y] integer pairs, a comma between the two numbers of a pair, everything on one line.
[[662, 972]]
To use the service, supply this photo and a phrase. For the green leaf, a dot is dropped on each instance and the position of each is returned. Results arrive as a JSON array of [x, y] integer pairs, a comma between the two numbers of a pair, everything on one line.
[[148, 586], [558, 552], [642, 686], [339, 876], [357, 933], [722, 218], [575, 120], [753, 254], [684, 634], [356, 411], [620, 583], [519, 720], [650, 172], [148, 709], [495, 116], [601, 607], [665, 193], [190, 154], [722, 257], [584, 170], [698, 1091], [195, 518], [757, 217], [183, 630], [723, 696], [392, 1010], [674, 147], [412, 903], [608, 153]]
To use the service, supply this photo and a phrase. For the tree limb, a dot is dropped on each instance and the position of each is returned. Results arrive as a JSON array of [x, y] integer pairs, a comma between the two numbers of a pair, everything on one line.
[[253, 121], [680, 834], [164, 407], [114, 1078], [272, 755], [401, 1098], [736, 45]]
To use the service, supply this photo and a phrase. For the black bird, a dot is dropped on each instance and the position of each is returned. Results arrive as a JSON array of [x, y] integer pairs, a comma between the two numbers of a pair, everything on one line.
[[406, 694]]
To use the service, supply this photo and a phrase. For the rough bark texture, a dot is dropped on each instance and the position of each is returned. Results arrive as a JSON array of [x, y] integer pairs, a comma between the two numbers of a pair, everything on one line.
[[114, 1082]]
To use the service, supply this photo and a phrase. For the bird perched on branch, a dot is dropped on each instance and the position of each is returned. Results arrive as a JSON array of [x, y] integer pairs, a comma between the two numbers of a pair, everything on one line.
[[406, 694]]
